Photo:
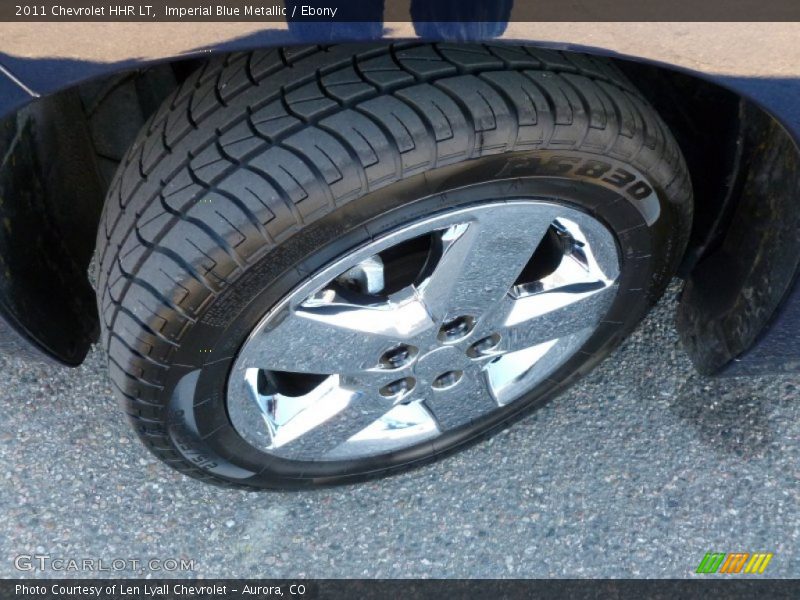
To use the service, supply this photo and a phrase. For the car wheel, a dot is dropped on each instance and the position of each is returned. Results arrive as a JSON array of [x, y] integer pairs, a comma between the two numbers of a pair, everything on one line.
[[323, 265]]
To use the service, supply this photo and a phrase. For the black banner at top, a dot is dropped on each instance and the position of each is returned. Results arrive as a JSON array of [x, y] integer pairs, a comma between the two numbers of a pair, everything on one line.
[[338, 11]]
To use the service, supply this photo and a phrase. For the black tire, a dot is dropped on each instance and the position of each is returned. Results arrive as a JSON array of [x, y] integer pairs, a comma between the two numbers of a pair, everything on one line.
[[266, 164]]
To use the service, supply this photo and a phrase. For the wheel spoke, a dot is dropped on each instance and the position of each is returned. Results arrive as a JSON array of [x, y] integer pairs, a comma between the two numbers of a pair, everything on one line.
[[329, 422], [553, 314], [463, 402], [482, 258], [522, 369], [335, 337], [405, 424]]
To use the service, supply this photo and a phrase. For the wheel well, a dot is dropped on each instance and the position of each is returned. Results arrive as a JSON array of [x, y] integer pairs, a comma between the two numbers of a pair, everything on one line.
[[104, 116], [706, 121]]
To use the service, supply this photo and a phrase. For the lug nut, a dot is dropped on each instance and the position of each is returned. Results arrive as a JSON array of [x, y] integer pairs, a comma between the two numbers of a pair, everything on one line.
[[448, 379], [397, 357], [483, 345], [456, 329], [398, 387]]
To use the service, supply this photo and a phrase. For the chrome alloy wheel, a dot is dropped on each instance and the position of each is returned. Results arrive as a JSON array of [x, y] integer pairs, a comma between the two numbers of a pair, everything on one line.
[[423, 330]]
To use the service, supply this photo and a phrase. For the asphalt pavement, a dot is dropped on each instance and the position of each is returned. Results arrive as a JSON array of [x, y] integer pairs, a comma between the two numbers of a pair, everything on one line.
[[636, 472]]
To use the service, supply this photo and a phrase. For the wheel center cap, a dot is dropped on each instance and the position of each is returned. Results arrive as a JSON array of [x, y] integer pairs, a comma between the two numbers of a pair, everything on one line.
[[438, 361]]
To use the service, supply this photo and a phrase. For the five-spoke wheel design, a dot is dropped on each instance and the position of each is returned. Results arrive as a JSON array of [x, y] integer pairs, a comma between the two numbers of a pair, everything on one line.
[[423, 330]]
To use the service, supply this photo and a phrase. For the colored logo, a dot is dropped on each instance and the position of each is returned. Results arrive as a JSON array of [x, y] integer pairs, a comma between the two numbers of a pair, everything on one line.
[[734, 562]]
